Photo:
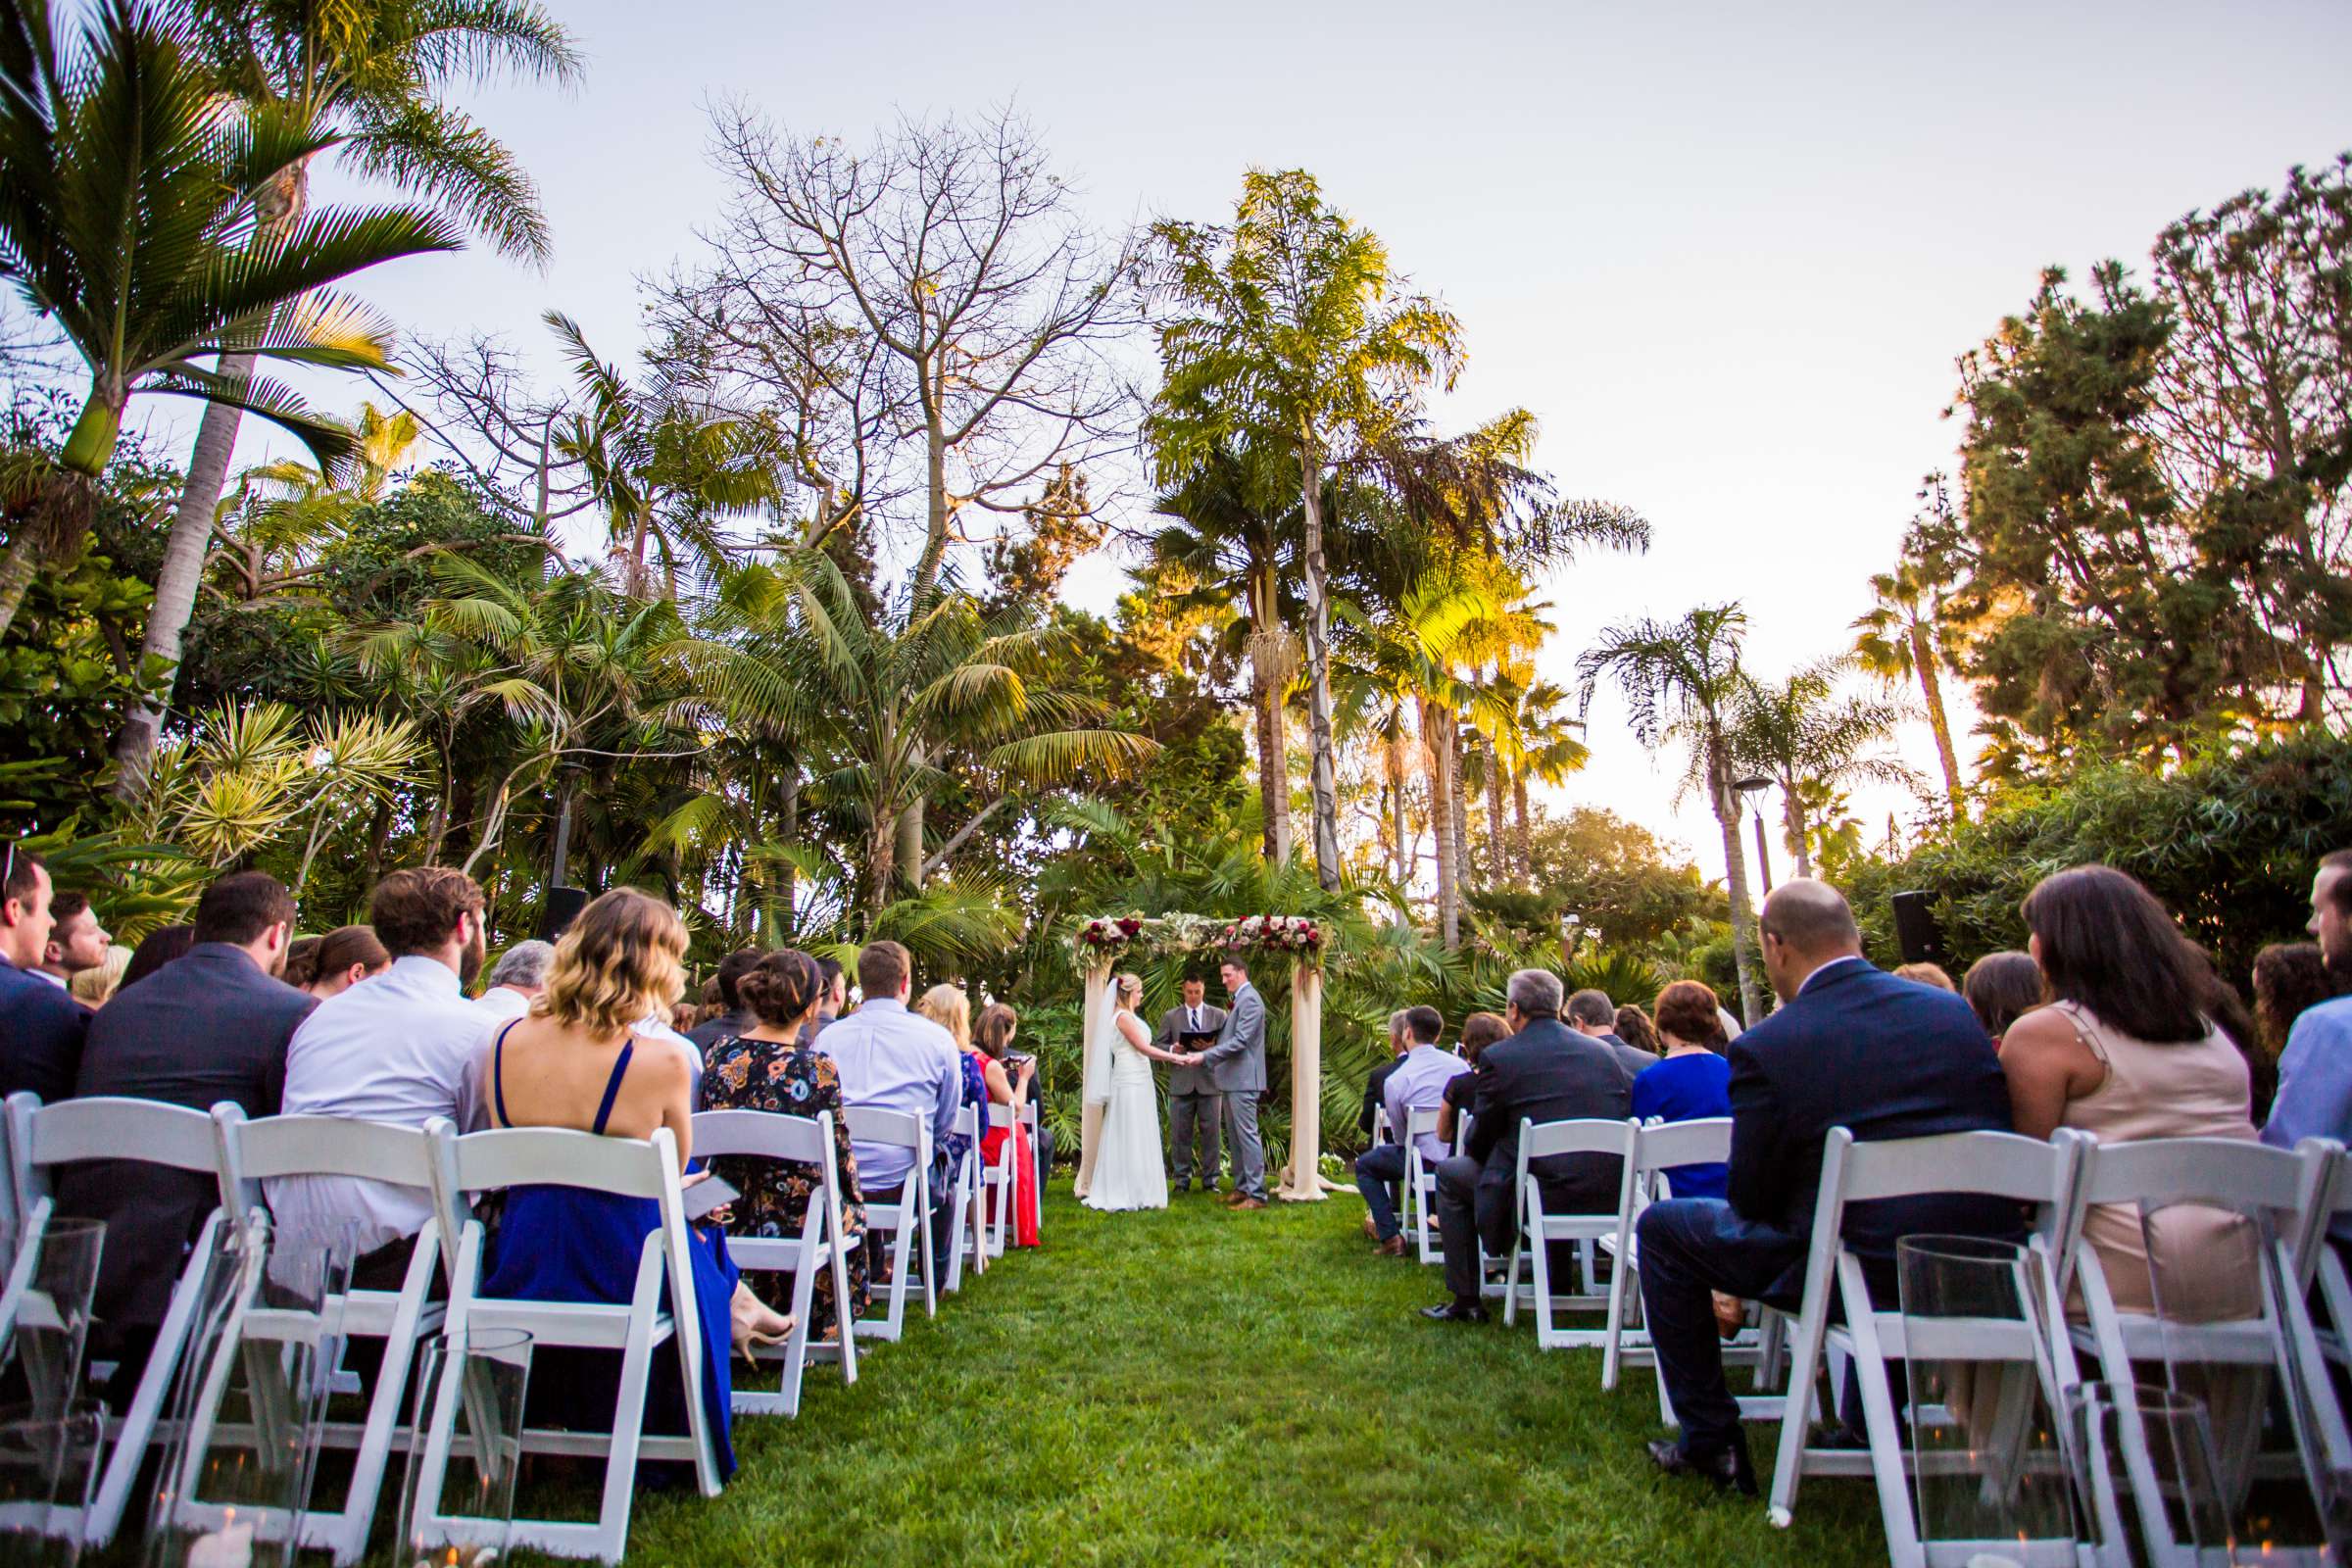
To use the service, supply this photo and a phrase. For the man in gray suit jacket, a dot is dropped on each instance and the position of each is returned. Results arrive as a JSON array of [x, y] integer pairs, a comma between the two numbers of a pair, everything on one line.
[[1237, 1066], [1194, 1103]]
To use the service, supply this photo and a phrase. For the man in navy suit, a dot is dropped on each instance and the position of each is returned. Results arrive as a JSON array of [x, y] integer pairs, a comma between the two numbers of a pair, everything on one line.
[[1851, 1047], [41, 1024]]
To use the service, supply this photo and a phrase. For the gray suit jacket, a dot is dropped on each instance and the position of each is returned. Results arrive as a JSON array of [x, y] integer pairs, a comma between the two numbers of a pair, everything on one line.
[[1237, 1064], [1188, 1080]]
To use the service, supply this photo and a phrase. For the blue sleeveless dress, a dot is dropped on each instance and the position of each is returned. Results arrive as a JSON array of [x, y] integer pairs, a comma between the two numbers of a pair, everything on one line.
[[566, 1244]]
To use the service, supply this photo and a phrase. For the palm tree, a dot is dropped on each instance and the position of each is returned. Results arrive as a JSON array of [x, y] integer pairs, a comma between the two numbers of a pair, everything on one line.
[[1296, 338], [894, 688], [1679, 680], [125, 218], [366, 78], [1811, 742], [1224, 538], [1902, 636], [667, 464], [1539, 740]]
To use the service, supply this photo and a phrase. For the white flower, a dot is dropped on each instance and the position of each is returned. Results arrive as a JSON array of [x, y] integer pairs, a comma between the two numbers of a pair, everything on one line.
[[321, 758]]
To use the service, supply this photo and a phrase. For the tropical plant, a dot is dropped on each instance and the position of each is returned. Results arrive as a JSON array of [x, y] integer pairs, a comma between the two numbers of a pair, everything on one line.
[[368, 80], [1812, 741], [129, 217], [1680, 680], [1293, 335], [1904, 635]]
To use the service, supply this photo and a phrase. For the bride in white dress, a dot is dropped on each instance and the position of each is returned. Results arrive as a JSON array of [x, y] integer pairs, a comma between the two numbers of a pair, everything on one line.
[[1128, 1172]]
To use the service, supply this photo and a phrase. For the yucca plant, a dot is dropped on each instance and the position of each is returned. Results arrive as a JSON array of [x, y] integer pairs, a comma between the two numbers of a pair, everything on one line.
[[127, 217]]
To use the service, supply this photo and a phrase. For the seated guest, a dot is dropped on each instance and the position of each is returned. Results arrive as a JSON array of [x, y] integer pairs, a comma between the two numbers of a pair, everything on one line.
[[1008, 1084], [1418, 1082], [950, 1009], [157, 949], [1851, 1047], [1636, 1030], [1478, 1031], [40, 1027], [2130, 1047], [573, 1061], [769, 1067], [399, 1049], [733, 1017], [209, 1027], [1376, 1091], [517, 979], [836, 997], [94, 986], [1593, 1015], [76, 941], [302, 962], [1693, 1082], [2003, 988], [895, 1059], [1926, 974], [1545, 1071], [2315, 1071], [343, 958], [2290, 978]]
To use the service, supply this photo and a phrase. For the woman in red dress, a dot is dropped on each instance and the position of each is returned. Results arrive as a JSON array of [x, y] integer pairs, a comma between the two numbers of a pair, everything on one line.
[[1008, 1084]]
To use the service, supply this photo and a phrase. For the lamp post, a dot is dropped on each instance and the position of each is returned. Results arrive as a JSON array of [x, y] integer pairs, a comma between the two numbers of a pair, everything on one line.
[[1752, 787]]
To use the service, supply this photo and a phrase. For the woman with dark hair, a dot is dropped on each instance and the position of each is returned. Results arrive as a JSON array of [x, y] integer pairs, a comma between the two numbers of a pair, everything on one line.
[[1693, 1082], [2003, 988], [159, 947], [1008, 1086], [768, 1066], [1478, 1031], [2288, 977], [339, 960], [2134, 1046], [1636, 1030]]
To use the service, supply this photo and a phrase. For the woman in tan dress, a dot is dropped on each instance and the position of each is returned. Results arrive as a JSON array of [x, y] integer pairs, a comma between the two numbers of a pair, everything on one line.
[[2128, 1047]]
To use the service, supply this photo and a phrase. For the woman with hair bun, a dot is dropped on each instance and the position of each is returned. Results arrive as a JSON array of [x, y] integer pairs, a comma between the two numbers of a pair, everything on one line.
[[771, 1066], [339, 960]]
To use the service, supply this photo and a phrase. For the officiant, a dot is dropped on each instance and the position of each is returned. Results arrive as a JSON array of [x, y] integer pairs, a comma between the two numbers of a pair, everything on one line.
[[1195, 1108]]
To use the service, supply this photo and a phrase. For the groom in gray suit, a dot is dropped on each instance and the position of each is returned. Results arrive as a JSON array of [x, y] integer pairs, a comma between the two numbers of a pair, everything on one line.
[[1237, 1066], [1193, 1105]]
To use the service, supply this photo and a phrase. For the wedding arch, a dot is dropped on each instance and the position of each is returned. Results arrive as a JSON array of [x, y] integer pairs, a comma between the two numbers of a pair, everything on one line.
[[1104, 942]]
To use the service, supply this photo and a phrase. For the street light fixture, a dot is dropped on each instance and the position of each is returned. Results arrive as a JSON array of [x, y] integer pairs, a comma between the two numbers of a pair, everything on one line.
[[1752, 787]]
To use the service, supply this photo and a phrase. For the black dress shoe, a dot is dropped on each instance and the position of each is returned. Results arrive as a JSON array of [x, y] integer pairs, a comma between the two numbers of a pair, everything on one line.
[[1728, 1468], [1457, 1312]]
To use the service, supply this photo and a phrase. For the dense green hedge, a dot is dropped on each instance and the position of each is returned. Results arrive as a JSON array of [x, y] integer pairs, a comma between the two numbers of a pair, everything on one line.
[[2228, 841]]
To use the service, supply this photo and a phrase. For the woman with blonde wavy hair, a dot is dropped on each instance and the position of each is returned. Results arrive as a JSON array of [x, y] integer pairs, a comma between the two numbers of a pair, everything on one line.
[[576, 1061], [951, 1010]]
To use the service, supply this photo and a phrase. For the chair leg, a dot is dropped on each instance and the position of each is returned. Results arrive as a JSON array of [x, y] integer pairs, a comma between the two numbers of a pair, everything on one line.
[[1621, 1287], [129, 1454], [1796, 1411], [1903, 1550], [1541, 1247]]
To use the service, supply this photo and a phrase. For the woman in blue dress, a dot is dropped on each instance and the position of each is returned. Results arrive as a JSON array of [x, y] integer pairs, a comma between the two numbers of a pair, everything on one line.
[[576, 1061], [1693, 1082]]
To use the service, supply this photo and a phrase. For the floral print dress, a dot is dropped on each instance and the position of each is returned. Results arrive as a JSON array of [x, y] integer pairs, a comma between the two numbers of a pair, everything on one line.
[[793, 1080]]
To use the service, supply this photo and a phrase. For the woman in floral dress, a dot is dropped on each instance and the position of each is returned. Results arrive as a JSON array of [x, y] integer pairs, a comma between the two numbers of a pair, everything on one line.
[[767, 1067]]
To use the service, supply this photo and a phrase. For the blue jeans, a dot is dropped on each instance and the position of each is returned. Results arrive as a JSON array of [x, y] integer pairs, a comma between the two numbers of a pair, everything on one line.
[[1378, 1171], [1692, 1246]]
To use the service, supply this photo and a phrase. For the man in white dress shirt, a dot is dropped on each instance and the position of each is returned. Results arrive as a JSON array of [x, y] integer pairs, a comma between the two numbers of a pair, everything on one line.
[[517, 979], [895, 1059], [1419, 1079], [404, 1047]]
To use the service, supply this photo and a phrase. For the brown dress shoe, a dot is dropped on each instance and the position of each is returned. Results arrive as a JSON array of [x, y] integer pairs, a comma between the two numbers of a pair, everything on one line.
[[1394, 1247], [1249, 1202]]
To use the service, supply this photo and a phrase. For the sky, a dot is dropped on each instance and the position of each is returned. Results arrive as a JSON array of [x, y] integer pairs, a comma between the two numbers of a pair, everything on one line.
[[1726, 254]]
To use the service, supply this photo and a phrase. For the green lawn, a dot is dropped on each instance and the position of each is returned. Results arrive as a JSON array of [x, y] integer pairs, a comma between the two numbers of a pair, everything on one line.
[[1198, 1387]]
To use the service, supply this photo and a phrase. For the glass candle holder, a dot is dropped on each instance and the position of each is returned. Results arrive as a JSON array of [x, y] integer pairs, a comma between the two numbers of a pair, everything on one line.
[[473, 1383], [48, 1465], [45, 1337]]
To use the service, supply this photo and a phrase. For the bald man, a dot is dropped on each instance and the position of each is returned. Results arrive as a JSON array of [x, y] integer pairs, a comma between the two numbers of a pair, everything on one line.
[[1851, 1047]]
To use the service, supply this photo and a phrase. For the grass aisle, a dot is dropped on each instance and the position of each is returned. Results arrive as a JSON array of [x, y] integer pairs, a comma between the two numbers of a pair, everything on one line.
[[1198, 1387]]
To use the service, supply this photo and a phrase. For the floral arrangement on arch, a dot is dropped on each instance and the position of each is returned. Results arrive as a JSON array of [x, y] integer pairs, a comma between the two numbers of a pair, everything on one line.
[[1274, 933], [1105, 938]]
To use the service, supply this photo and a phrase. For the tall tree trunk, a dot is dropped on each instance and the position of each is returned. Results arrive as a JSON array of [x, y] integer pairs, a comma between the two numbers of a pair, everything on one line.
[[1436, 734], [881, 852], [1457, 821], [788, 828], [1397, 827], [1527, 831], [1270, 681], [279, 207], [16, 571], [1499, 837], [1318, 678], [1930, 687], [1797, 831], [1744, 920]]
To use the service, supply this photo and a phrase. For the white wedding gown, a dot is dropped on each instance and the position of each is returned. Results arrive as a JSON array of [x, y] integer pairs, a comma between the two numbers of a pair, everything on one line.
[[1128, 1173]]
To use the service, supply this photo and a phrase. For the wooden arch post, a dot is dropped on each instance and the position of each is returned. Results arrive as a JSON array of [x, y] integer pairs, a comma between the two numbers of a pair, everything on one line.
[[1305, 1181], [1094, 1075]]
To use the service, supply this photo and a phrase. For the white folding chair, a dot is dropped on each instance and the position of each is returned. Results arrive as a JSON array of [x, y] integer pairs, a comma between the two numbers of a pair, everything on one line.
[[799, 1140], [907, 1219], [1000, 1190], [254, 1151], [1537, 1229], [2283, 1196], [1988, 1164], [1421, 1183], [660, 1311], [968, 1233], [41, 1138]]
